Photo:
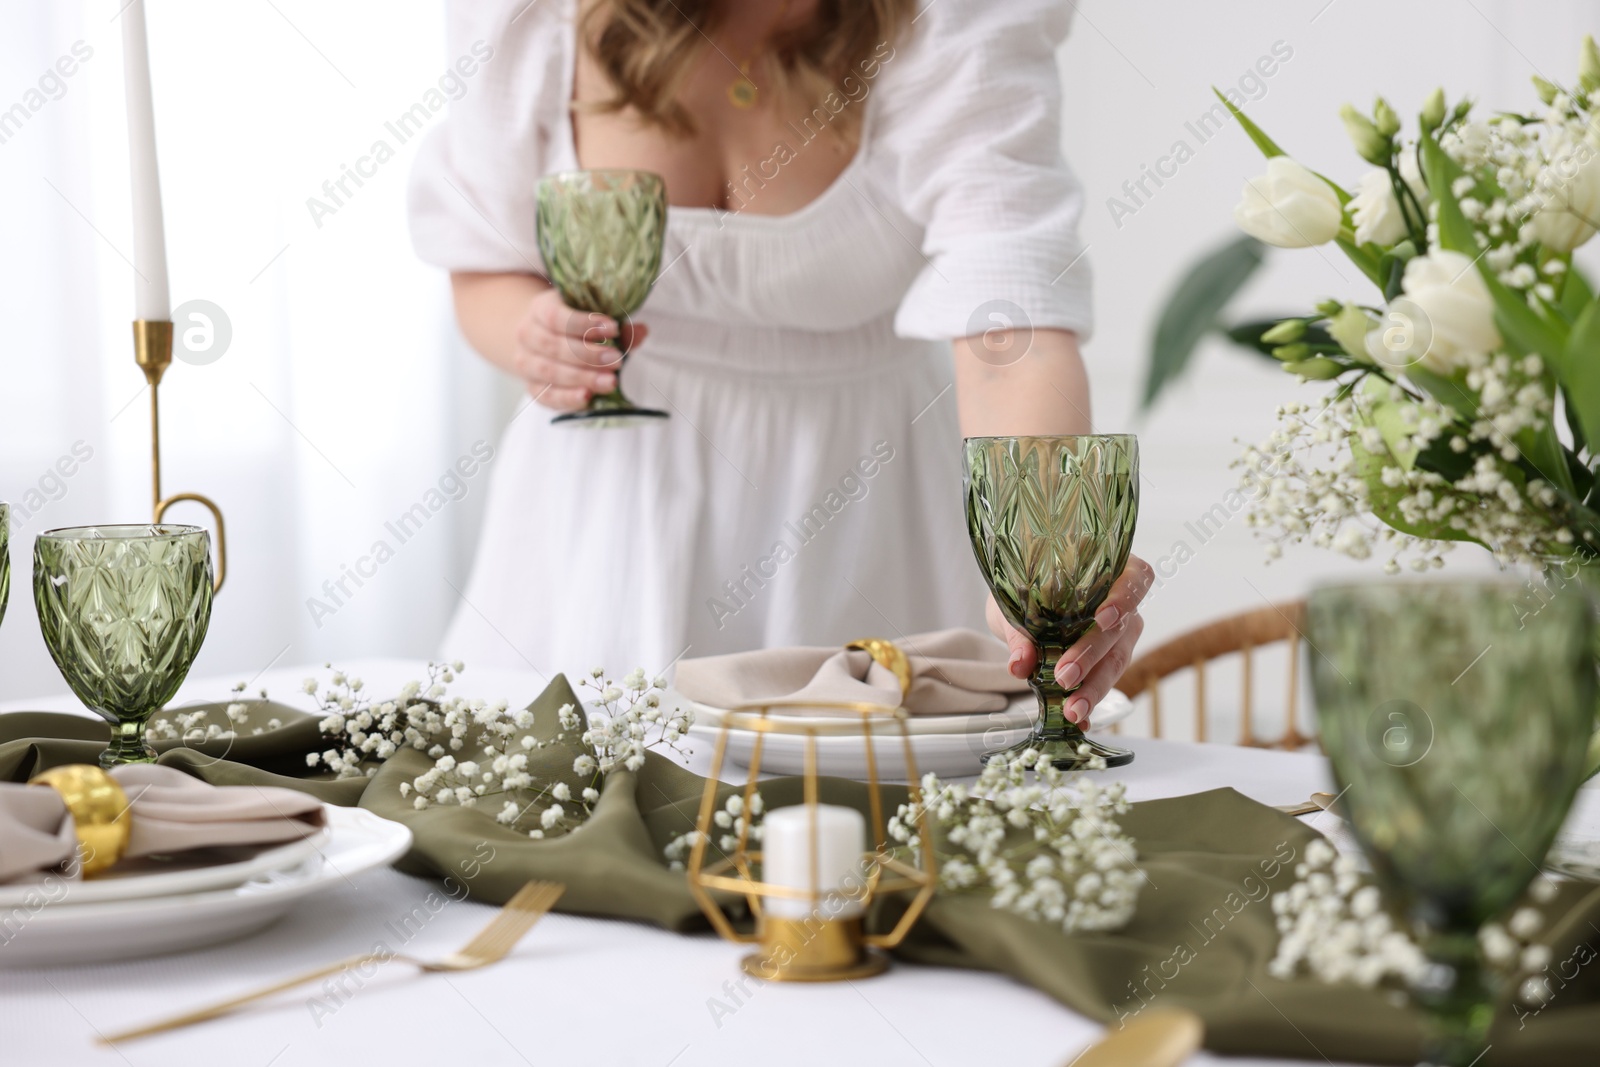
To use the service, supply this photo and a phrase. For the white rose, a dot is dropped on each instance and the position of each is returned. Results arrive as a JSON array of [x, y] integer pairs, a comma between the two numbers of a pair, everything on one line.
[[1376, 211], [1569, 193], [1443, 315], [1288, 206]]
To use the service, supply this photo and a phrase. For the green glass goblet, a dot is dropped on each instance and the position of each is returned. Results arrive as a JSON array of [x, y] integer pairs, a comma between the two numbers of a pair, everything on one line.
[[1457, 725], [5, 558], [600, 232], [1051, 521], [124, 610]]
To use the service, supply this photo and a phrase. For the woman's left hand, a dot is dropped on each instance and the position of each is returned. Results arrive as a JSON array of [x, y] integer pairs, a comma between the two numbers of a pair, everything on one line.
[[1099, 657]]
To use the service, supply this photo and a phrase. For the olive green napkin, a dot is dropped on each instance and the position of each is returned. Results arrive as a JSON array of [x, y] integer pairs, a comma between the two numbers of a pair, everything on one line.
[[1201, 938]]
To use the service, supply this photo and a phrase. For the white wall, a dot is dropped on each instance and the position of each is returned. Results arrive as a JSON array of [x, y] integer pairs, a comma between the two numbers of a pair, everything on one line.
[[346, 396]]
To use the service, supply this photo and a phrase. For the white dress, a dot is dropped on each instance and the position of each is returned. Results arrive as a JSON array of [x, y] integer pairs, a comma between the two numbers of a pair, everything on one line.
[[807, 487]]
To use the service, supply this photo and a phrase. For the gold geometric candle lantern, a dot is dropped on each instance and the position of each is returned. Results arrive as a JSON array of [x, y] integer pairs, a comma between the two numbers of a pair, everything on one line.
[[819, 866]]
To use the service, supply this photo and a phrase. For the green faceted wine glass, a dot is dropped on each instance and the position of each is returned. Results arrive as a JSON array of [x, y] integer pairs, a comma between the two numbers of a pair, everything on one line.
[[1051, 521], [124, 610], [600, 232], [1457, 725]]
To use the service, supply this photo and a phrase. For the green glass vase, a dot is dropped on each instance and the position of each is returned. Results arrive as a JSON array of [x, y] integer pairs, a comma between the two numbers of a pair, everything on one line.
[[124, 611], [600, 233], [1051, 521], [1457, 725]]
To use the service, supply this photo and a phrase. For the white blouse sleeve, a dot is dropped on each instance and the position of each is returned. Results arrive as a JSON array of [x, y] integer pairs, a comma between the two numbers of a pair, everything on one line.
[[967, 140], [473, 186]]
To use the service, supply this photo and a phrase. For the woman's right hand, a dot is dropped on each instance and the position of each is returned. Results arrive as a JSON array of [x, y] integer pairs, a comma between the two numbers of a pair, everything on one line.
[[559, 354]]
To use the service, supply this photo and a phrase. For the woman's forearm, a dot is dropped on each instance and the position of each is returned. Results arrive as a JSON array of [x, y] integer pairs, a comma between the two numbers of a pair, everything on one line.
[[1044, 391], [490, 307]]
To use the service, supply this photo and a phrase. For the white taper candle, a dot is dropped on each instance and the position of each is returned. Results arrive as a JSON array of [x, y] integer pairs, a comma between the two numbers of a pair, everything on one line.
[[789, 840], [150, 298]]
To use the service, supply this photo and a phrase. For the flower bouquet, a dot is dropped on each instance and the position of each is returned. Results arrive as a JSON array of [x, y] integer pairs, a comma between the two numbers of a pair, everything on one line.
[[1464, 403], [1465, 398]]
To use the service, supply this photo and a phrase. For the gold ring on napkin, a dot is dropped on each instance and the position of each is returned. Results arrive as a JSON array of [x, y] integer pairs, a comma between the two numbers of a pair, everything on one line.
[[888, 655], [99, 810]]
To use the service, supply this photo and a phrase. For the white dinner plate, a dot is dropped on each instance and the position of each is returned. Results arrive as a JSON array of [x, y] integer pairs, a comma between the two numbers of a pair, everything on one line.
[[47, 934], [187, 872], [948, 745]]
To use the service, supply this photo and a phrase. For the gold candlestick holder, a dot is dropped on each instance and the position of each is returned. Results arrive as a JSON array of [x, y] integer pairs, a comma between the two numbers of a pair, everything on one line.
[[825, 945], [152, 350]]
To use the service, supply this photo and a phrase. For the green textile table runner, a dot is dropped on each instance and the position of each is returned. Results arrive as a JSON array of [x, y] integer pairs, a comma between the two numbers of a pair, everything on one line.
[[1201, 938]]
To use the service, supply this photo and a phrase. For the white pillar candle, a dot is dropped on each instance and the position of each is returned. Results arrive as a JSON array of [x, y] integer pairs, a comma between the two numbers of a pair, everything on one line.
[[835, 837], [150, 299]]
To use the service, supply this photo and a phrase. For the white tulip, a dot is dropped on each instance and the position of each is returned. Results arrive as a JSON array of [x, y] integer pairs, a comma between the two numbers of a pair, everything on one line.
[[1376, 211], [1569, 192], [1444, 316], [1288, 206]]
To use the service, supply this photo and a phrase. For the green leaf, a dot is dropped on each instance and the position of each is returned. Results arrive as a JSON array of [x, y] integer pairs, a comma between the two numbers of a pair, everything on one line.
[[1451, 392], [1374, 408], [1578, 367], [1385, 502], [1445, 461], [1363, 258], [1192, 310], [1268, 146], [1576, 294], [1542, 451]]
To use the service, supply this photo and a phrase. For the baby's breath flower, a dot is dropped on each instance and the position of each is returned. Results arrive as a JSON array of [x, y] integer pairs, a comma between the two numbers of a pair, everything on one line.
[[480, 749], [1078, 872]]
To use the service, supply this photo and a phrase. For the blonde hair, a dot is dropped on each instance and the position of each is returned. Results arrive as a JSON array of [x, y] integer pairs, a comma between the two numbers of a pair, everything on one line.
[[646, 48]]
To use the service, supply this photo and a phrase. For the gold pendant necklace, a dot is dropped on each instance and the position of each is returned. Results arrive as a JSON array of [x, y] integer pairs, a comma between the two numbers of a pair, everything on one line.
[[742, 91]]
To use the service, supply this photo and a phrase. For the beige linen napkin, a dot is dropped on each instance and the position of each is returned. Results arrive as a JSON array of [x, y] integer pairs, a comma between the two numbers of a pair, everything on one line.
[[171, 811], [953, 672]]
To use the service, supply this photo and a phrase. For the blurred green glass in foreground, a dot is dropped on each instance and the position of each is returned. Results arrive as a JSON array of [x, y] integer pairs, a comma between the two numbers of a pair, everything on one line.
[[1457, 725]]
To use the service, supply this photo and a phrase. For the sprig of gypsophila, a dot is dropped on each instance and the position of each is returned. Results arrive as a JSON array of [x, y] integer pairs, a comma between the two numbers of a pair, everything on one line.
[[736, 819], [190, 726], [483, 750], [1333, 926], [1047, 842]]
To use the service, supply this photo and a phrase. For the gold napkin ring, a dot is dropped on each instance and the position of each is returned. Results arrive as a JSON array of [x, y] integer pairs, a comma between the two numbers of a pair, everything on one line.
[[888, 655], [99, 810]]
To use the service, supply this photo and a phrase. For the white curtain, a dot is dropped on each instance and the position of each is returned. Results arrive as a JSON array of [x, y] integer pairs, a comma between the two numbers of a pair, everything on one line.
[[345, 399]]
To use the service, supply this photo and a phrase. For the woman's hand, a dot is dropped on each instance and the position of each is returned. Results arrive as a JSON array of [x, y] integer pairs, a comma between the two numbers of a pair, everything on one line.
[[560, 356], [1098, 658]]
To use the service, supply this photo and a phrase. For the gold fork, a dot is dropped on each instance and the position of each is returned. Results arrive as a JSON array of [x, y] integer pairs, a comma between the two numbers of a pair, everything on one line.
[[531, 903]]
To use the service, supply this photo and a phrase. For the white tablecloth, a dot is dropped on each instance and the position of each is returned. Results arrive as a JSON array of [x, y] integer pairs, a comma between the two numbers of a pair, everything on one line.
[[576, 991]]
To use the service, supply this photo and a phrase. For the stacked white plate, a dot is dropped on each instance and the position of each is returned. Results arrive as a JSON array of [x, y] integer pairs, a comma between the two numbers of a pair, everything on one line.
[[156, 906], [950, 746]]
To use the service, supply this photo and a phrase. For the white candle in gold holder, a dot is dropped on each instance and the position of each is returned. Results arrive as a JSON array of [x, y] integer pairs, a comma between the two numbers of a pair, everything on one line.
[[815, 849], [811, 878]]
